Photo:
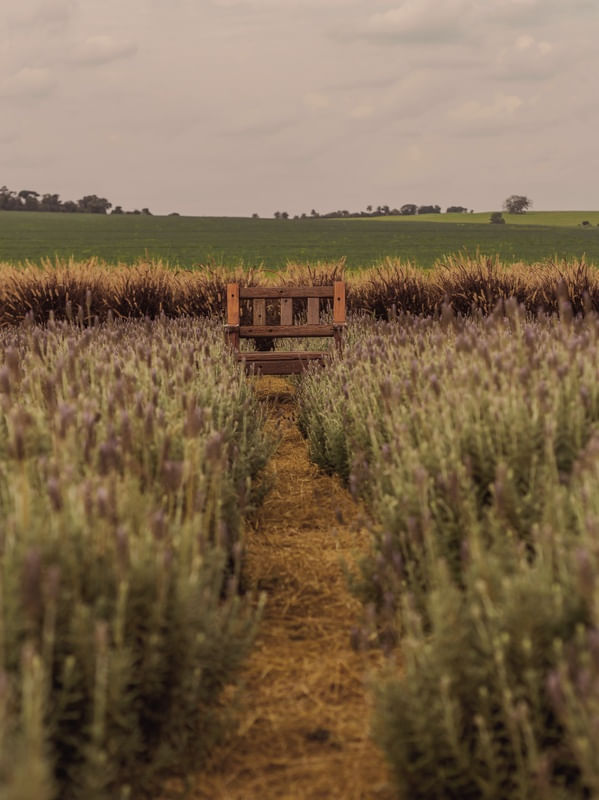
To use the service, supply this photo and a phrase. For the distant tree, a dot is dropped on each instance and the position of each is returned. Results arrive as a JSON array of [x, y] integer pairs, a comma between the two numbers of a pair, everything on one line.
[[369, 209], [174, 214], [497, 218], [456, 210], [314, 213], [146, 212], [408, 209], [429, 209], [585, 223], [29, 200], [304, 215], [517, 204], [277, 215], [8, 199], [117, 210], [50, 202], [70, 207], [255, 216], [92, 204], [284, 215]]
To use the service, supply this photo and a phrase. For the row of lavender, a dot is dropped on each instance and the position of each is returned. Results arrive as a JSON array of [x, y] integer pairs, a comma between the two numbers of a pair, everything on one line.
[[128, 458], [84, 291], [475, 444]]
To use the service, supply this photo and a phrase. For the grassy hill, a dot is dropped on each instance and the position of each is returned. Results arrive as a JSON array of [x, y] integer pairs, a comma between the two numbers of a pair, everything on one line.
[[190, 241], [545, 218]]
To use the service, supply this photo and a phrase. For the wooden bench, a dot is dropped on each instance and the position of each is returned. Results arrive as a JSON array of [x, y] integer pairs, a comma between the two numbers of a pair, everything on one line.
[[280, 362]]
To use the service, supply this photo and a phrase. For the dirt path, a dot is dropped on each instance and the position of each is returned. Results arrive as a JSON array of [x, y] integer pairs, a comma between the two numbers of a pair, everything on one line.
[[303, 731]]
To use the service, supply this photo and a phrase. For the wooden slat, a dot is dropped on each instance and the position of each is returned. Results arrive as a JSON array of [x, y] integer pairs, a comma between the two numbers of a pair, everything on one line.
[[233, 314], [289, 367], [339, 302], [254, 331], [339, 313], [233, 304], [280, 355], [259, 315], [313, 310], [286, 311], [250, 292]]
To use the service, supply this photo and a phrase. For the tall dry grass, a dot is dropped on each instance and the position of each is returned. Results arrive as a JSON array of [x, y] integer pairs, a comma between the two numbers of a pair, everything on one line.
[[92, 290]]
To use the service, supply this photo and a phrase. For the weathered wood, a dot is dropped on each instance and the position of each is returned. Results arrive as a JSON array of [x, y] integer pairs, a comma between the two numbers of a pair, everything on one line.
[[256, 331], [281, 362], [339, 302], [268, 292], [291, 366], [280, 355], [313, 310], [286, 311], [233, 317], [259, 312], [339, 314]]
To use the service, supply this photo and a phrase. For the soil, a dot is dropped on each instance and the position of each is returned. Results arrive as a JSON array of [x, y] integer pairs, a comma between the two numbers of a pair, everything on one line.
[[303, 726]]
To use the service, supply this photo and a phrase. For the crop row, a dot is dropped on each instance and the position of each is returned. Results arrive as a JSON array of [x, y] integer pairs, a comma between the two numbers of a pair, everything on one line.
[[128, 458], [475, 443], [86, 291]]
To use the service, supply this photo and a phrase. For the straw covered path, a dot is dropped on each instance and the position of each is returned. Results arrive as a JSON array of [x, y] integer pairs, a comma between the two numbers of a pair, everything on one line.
[[304, 720]]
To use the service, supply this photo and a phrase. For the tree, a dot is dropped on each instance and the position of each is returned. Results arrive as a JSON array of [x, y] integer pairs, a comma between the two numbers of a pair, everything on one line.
[[429, 209], [517, 204], [92, 204], [369, 209], [255, 215], [50, 202], [456, 210], [408, 209], [117, 210], [29, 200], [497, 218], [284, 215]]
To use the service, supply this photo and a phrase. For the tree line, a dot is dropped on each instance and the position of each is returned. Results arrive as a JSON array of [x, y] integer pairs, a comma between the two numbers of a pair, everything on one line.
[[406, 210], [29, 200]]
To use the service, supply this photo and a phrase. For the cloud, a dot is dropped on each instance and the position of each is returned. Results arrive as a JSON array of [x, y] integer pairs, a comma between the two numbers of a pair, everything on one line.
[[53, 14], [27, 83], [417, 21], [316, 101], [528, 59], [361, 112], [97, 50], [475, 116]]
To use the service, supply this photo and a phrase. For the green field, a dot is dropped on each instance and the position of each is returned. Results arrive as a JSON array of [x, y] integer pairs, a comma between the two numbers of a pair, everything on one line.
[[191, 241], [561, 219]]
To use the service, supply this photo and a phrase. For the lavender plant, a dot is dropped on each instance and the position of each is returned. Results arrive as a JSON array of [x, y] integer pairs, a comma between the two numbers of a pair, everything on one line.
[[129, 456], [474, 442]]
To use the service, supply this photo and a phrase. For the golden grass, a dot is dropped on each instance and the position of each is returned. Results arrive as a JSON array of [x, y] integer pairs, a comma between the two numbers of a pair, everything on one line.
[[303, 728]]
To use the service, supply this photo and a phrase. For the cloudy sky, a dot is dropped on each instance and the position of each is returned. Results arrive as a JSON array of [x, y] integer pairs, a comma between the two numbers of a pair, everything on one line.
[[226, 107]]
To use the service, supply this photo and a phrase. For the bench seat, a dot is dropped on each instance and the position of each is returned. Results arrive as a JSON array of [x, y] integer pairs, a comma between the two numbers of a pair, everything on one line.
[[279, 362]]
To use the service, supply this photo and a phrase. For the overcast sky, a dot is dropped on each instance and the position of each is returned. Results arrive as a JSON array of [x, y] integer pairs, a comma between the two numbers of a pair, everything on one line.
[[226, 107]]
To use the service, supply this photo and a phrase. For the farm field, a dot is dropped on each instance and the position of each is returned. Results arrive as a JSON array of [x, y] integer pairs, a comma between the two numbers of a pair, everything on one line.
[[560, 219], [191, 241], [416, 520]]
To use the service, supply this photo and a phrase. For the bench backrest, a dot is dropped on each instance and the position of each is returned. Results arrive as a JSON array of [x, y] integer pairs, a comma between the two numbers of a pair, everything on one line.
[[285, 328]]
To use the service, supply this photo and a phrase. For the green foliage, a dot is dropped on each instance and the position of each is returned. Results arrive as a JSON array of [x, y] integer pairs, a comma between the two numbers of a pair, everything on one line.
[[128, 459], [475, 444], [190, 241]]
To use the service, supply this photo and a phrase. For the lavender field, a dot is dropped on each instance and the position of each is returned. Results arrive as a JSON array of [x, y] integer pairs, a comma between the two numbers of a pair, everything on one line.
[[129, 454], [463, 414], [475, 445]]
